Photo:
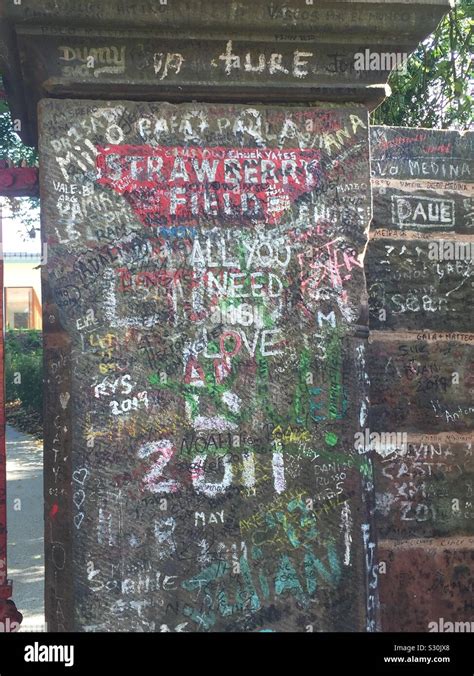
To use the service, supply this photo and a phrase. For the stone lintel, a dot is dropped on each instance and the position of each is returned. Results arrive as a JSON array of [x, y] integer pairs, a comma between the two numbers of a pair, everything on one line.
[[246, 51]]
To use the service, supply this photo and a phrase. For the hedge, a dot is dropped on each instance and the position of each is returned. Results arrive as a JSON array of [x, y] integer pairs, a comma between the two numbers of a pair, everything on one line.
[[24, 363]]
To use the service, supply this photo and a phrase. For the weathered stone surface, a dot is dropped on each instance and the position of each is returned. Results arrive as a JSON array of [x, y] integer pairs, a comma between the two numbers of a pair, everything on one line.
[[420, 283], [155, 64], [209, 50], [423, 179], [429, 584], [57, 436], [425, 487], [362, 16], [421, 386], [419, 277], [204, 263]]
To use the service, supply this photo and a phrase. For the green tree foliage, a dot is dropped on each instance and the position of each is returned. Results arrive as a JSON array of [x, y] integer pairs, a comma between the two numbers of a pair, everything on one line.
[[436, 91], [11, 147], [24, 369]]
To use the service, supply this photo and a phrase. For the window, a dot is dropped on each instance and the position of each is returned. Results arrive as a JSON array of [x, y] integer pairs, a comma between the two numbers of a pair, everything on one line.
[[22, 309]]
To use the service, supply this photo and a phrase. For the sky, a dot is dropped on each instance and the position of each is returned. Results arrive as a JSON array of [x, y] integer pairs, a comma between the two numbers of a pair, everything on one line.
[[15, 237]]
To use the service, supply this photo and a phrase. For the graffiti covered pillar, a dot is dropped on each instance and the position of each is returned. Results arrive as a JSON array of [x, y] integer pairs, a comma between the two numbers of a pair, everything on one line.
[[205, 315], [419, 277], [210, 295]]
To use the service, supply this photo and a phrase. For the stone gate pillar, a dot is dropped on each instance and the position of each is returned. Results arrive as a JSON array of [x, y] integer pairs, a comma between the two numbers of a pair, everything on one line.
[[206, 199]]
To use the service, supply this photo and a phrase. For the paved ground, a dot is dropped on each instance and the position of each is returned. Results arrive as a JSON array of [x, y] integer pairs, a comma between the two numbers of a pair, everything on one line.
[[25, 526]]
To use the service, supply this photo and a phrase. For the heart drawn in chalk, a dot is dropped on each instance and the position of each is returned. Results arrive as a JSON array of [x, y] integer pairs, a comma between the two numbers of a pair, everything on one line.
[[78, 498], [64, 399], [80, 475], [78, 519]]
